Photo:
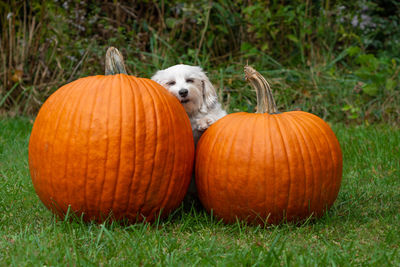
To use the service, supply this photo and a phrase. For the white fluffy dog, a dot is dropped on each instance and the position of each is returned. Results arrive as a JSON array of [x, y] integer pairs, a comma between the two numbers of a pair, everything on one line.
[[196, 93]]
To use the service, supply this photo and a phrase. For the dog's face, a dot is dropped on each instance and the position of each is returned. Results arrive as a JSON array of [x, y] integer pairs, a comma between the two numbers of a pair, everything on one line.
[[190, 85]]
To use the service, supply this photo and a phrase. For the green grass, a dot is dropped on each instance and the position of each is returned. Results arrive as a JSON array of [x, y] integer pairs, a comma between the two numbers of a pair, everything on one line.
[[362, 228]]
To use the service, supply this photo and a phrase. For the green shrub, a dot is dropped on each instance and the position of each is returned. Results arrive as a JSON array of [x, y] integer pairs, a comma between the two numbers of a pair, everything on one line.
[[338, 59]]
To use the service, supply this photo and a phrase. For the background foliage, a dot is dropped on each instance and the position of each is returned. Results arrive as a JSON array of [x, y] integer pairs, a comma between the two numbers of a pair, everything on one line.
[[337, 59]]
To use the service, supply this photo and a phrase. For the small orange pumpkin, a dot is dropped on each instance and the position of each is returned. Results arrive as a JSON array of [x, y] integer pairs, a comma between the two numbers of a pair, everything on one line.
[[270, 166], [112, 145]]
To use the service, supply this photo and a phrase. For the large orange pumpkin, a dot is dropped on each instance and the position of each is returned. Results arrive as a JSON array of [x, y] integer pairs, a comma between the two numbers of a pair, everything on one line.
[[111, 146], [270, 166]]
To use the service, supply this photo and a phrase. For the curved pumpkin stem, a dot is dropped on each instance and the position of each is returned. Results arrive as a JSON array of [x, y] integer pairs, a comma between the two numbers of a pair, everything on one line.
[[265, 99], [114, 62]]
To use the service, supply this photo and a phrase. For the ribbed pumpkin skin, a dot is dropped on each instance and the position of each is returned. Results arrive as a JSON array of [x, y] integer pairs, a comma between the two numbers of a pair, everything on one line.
[[265, 168], [111, 144]]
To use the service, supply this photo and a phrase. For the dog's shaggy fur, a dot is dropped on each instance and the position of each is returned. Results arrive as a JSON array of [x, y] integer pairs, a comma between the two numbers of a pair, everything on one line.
[[196, 93]]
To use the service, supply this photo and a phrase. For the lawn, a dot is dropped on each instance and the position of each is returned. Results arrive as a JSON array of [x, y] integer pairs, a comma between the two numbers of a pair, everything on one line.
[[362, 228]]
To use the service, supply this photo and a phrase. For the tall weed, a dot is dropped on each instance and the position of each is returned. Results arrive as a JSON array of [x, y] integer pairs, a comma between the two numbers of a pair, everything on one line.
[[338, 59], [28, 57]]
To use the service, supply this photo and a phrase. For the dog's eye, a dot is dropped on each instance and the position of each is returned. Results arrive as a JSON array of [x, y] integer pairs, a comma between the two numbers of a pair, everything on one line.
[[189, 80], [171, 83]]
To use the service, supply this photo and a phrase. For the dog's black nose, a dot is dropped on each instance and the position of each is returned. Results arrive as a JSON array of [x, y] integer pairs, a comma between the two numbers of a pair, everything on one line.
[[183, 92]]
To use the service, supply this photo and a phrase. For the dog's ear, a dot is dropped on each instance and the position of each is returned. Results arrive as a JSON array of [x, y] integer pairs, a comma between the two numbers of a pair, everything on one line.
[[209, 95], [157, 77]]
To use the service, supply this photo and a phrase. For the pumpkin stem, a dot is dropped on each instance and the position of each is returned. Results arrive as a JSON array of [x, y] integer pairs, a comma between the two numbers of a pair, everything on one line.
[[114, 62], [265, 99]]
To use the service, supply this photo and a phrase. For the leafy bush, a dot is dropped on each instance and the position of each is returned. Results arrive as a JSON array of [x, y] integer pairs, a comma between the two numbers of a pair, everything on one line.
[[338, 59]]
